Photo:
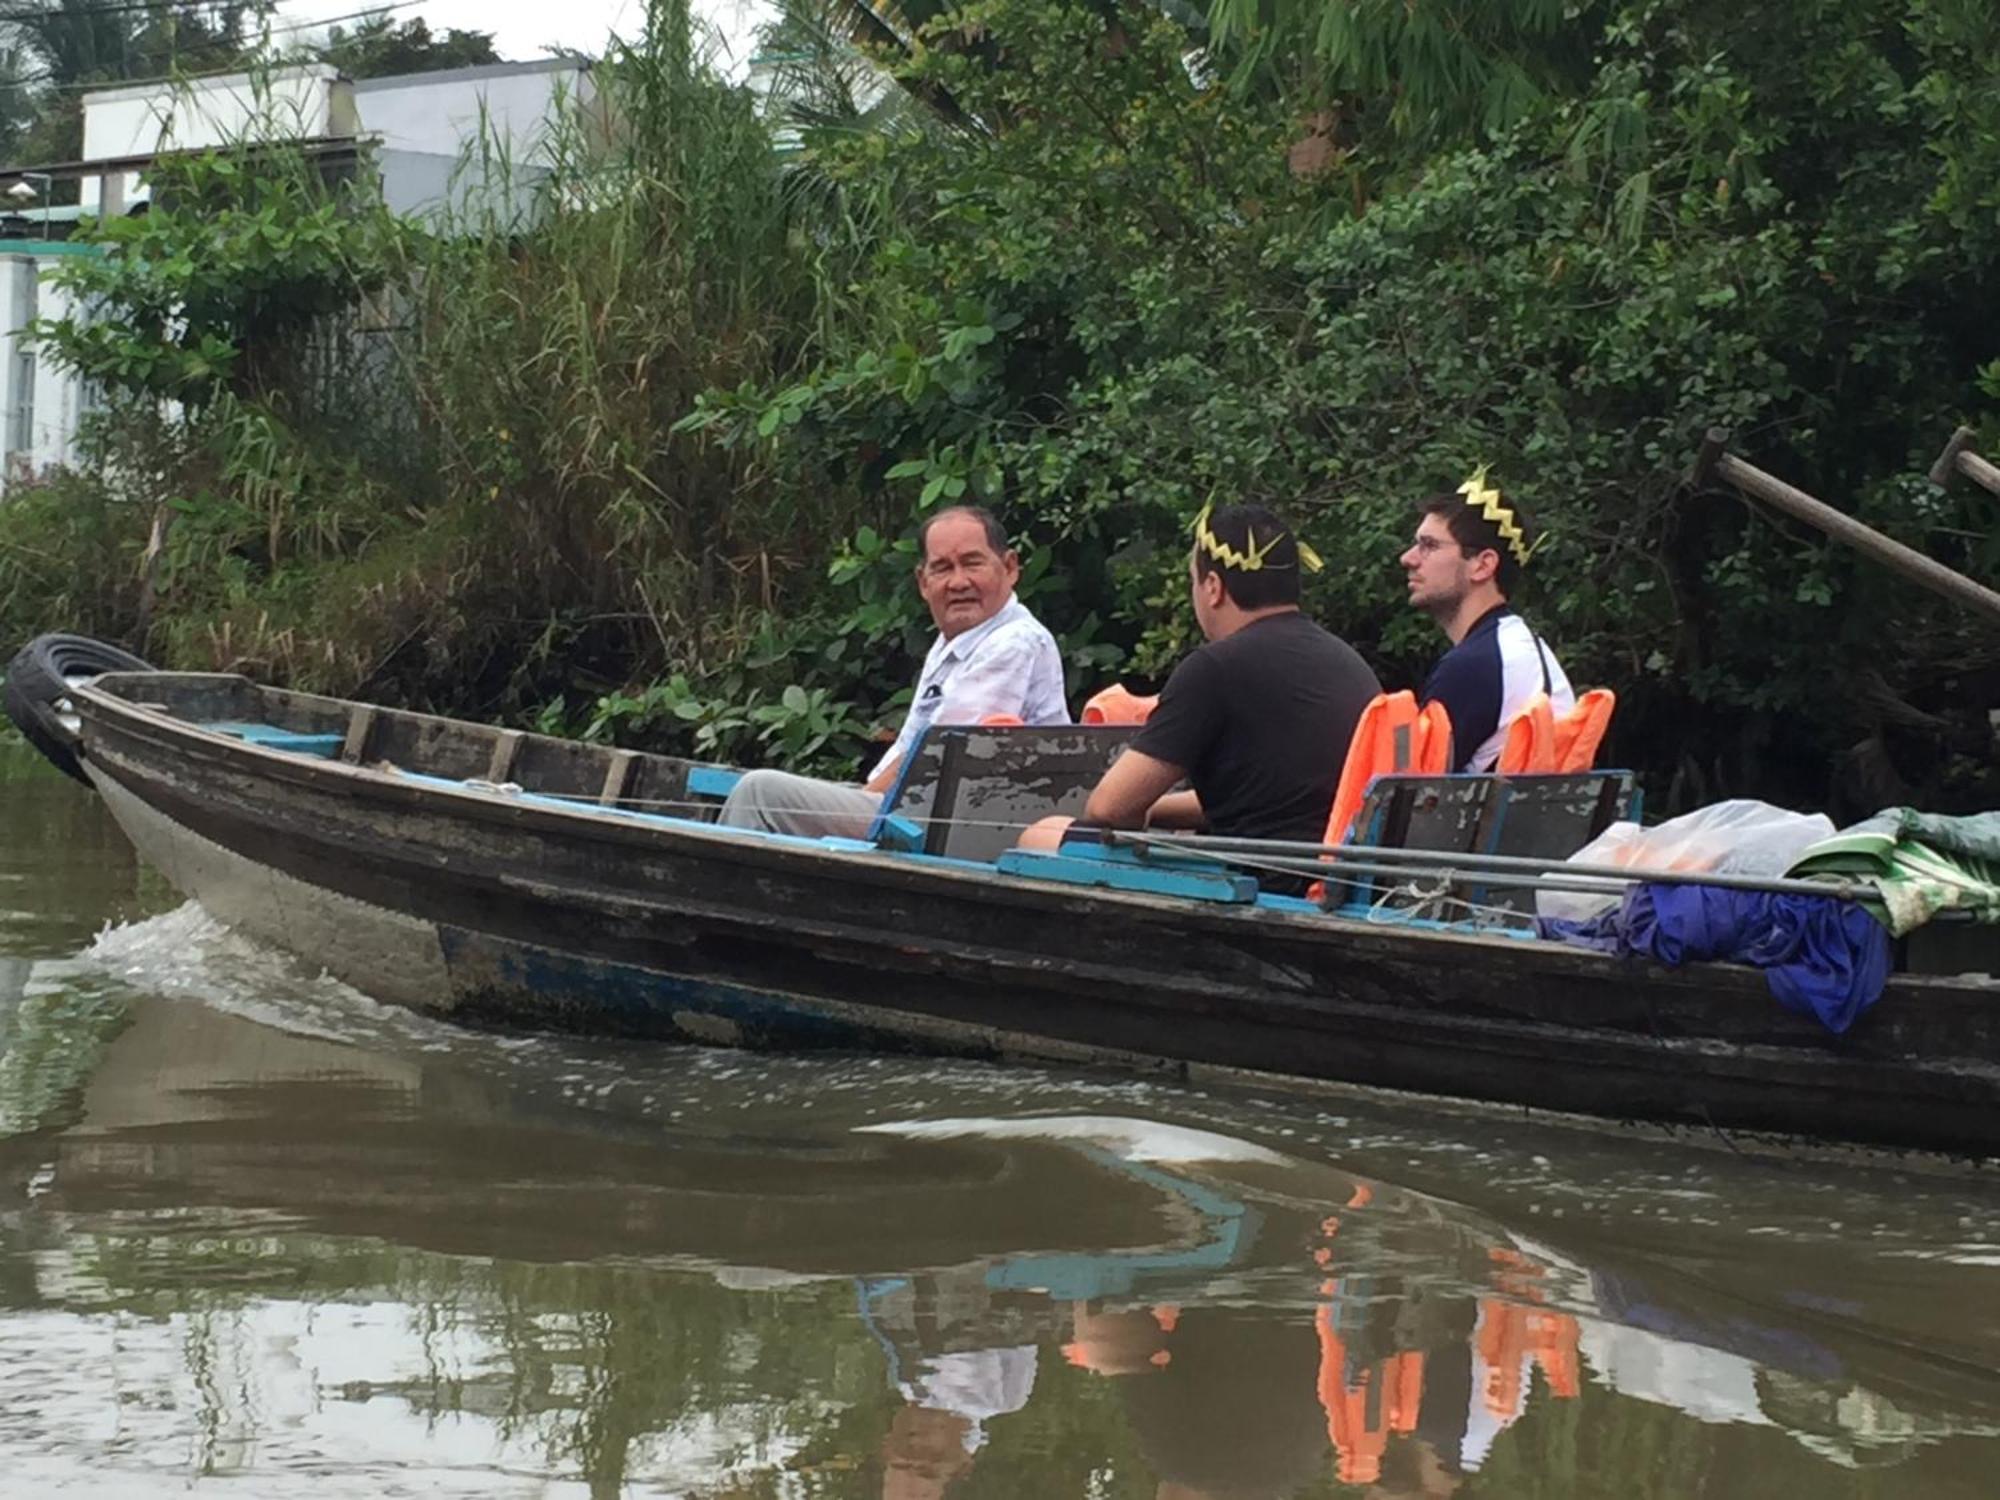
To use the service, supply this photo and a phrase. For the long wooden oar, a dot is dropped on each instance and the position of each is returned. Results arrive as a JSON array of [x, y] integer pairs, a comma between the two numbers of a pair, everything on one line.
[[1959, 458], [1715, 461]]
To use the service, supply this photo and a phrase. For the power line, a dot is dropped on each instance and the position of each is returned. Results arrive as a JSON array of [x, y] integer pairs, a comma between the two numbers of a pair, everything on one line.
[[124, 7], [359, 15], [88, 86]]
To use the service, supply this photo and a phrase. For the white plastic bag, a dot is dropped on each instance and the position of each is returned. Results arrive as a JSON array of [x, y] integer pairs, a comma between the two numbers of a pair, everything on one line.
[[1738, 837]]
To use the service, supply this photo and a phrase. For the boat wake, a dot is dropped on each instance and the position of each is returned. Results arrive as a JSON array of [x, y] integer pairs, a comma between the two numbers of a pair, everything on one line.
[[185, 954]]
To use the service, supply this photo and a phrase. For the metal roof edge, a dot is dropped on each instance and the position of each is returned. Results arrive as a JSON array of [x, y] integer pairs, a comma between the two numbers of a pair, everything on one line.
[[475, 71]]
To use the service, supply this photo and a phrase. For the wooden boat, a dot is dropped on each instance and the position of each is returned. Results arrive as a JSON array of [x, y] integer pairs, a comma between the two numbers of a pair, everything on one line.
[[493, 874]]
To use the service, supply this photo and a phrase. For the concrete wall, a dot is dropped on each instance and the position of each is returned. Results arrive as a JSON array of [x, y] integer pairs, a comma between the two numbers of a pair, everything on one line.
[[307, 101], [440, 114], [436, 187], [471, 142], [424, 124]]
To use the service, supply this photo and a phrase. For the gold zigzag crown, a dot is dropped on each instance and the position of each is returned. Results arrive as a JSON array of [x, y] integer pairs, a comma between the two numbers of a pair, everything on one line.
[[1485, 499], [1252, 560]]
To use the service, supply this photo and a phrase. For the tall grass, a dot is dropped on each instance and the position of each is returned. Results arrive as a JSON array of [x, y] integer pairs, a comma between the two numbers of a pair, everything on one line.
[[466, 489], [550, 363]]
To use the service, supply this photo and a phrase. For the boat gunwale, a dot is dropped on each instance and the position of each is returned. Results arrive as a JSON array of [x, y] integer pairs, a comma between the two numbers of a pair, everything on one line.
[[652, 830]]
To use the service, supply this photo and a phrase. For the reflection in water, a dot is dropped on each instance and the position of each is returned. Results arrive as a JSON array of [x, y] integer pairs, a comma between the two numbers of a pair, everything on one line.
[[257, 1232]]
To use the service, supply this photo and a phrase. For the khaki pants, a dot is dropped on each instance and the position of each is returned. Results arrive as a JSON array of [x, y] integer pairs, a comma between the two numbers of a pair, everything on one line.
[[779, 802]]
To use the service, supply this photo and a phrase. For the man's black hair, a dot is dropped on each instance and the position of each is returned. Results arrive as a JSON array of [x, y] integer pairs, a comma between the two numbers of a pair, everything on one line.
[[1277, 581], [996, 534], [1475, 534]]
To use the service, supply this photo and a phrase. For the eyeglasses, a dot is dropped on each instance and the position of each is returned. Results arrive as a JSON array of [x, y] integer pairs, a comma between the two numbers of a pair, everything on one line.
[[1430, 546]]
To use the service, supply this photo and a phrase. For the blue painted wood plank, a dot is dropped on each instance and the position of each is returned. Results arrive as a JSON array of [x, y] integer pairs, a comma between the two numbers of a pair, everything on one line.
[[900, 834], [1117, 875], [712, 781], [271, 737]]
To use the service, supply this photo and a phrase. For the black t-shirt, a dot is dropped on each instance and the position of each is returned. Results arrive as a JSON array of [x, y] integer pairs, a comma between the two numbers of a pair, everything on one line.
[[1260, 721]]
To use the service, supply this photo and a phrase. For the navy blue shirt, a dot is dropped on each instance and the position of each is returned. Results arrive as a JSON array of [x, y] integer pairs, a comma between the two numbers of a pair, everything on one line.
[[1486, 680]]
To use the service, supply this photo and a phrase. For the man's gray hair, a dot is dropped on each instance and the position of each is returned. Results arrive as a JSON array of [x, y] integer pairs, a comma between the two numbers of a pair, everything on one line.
[[996, 534]]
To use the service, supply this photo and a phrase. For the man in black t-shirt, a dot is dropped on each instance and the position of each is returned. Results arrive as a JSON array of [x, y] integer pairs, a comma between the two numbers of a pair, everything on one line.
[[1258, 720]]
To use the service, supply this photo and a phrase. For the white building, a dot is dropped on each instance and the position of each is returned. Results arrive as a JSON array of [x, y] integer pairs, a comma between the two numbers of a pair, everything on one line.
[[41, 405], [428, 133]]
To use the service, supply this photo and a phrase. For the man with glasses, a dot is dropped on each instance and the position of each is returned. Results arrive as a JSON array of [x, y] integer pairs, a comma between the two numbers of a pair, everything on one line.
[[1465, 562]]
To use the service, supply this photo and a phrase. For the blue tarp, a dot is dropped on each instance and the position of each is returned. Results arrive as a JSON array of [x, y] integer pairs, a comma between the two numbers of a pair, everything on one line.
[[1821, 956]]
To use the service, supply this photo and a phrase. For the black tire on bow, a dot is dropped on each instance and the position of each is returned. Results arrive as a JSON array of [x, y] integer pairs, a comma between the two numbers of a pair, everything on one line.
[[37, 691]]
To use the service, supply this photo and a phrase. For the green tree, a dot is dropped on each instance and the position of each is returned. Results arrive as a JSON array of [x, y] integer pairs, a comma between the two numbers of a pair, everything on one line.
[[1438, 72], [1140, 295], [60, 45], [207, 291], [82, 41], [17, 107], [378, 47]]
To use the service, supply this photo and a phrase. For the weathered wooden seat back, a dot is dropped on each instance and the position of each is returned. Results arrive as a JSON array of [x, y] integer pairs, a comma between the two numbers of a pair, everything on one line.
[[966, 792], [1538, 817]]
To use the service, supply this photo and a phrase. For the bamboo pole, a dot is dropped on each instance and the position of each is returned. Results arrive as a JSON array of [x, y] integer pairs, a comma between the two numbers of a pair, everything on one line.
[[1715, 461], [1959, 457]]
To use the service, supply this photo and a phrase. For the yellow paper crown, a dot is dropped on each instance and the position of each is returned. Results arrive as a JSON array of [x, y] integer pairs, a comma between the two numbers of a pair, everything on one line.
[[1485, 499], [1252, 560]]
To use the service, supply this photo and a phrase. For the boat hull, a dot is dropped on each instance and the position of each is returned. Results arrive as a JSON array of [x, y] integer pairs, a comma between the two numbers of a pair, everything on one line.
[[482, 906]]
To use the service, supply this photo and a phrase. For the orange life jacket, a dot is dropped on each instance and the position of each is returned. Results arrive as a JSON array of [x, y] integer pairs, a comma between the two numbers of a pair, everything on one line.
[[1580, 731], [1392, 737], [1530, 746], [1540, 744], [1115, 705]]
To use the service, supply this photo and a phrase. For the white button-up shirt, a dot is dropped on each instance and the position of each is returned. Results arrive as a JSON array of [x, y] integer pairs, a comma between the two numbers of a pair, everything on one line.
[[1009, 664]]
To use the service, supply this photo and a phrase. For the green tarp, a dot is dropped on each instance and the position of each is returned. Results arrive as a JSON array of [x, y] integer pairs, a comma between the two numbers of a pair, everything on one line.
[[1922, 863]]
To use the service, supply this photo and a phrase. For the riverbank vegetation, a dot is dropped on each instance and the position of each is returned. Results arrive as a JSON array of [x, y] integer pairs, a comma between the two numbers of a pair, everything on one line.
[[639, 462]]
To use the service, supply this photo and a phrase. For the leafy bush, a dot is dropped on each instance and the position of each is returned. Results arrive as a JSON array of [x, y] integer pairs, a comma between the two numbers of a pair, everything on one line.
[[211, 288]]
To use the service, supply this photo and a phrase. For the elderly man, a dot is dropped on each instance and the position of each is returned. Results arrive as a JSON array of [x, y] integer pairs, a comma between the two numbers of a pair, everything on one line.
[[991, 658], [1470, 547]]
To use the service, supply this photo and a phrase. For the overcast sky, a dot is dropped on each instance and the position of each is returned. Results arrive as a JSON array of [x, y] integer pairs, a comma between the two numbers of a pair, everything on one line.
[[526, 29]]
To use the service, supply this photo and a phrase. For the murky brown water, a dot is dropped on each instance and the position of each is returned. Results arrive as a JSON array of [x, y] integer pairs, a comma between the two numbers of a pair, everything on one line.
[[261, 1237]]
